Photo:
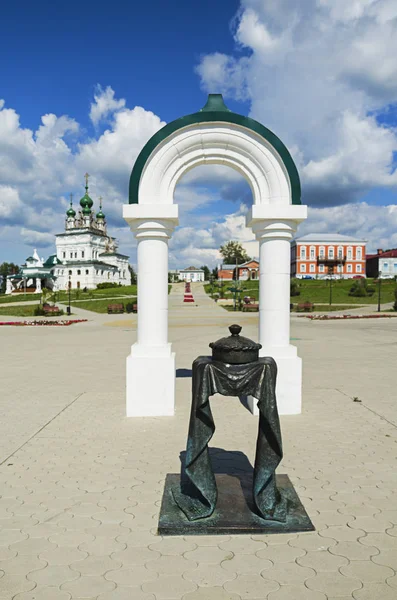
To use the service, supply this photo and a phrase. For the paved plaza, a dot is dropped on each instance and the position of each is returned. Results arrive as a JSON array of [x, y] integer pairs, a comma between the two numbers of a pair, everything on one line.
[[81, 485]]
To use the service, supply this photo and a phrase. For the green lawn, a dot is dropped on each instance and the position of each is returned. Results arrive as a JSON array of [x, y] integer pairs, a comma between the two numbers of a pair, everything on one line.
[[101, 305], [18, 298], [317, 291], [125, 290], [18, 311]]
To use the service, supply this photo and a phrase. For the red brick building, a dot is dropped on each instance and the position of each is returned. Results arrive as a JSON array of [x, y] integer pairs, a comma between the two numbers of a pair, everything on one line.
[[246, 271], [317, 255]]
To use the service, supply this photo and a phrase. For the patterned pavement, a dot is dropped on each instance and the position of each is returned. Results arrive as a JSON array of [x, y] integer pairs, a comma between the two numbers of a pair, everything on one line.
[[81, 485]]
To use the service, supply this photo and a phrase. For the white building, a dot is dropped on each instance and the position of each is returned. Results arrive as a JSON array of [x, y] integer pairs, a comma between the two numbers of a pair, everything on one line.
[[85, 255], [191, 274]]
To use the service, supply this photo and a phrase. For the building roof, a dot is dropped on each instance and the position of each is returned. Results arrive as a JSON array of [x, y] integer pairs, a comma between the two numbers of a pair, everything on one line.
[[328, 237], [51, 261], [191, 270], [387, 254], [251, 260]]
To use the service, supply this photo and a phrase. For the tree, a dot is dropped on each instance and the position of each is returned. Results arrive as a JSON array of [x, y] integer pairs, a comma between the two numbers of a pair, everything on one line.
[[233, 252], [132, 275], [207, 272], [214, 273], [7, 269]]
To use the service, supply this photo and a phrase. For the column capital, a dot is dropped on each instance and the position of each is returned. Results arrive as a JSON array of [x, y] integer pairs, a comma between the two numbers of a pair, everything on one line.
[[151, 220], [272, 221]]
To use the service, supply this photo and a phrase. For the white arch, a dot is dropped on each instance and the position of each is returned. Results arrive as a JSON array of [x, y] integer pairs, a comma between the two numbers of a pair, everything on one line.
[[215, 143]]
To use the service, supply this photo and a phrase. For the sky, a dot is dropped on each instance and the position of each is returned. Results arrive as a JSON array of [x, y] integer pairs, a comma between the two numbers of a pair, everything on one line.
[[83, 86]]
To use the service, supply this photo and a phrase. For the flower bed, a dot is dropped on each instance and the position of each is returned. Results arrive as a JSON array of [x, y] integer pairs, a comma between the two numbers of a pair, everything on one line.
[[341, 317], [39, 323]]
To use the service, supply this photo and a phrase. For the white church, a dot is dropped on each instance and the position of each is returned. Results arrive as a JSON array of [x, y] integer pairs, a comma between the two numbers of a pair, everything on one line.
[[85, 255]]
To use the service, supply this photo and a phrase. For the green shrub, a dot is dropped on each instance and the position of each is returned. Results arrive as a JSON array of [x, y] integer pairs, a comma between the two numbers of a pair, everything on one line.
[[360, 289], [129, 307], [39, 311], [106, 284], [294, 288]]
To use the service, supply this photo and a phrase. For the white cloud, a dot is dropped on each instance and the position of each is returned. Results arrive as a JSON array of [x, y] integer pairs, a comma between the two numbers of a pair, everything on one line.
[[10, 203], [314, 72], [104, 104], [37, 238]]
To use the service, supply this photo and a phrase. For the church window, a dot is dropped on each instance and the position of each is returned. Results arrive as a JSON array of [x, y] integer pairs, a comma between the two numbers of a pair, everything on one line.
[[63, 254], [78, 272], [75, 254], [312, 252], [87, 272], [82, 254], [358, 254], [71, 255], [108, 275], [70, 272]]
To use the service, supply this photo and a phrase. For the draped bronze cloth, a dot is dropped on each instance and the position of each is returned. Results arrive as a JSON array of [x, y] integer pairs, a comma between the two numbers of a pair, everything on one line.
[[198, 495]]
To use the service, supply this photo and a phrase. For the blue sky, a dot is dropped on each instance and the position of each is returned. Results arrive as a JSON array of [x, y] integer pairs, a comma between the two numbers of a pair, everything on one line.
[[320, 73]]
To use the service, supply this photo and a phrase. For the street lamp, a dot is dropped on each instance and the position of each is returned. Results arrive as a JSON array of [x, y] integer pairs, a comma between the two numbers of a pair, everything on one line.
[[330, 273], [379, 282], [69, 289]]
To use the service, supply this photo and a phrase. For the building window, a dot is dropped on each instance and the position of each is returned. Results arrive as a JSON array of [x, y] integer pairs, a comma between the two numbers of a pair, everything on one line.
[[349, 268], [87, 272], [70, 272], [358, 254], [78, 272], [340, 252], [385, 267], [339, 268], [331, 252], [395, 266], [312, 269], [75, 254], [303, 268], [322, 252], [321, 268], [312, 252], [63, 254], [349, 253], [303, 252], [71, 255], [358, 268], [108, 275], [82, 254]]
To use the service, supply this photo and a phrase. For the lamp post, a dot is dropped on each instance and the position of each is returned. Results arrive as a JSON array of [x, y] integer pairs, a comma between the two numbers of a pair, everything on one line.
[[379, 282], [330, 273], [69, 289]]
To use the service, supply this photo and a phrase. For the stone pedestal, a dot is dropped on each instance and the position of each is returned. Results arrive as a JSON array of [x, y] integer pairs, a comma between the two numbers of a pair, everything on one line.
[[151, 364]]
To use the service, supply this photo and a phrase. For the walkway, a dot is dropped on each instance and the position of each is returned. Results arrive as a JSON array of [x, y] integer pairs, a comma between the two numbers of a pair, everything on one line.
[[81, 485]]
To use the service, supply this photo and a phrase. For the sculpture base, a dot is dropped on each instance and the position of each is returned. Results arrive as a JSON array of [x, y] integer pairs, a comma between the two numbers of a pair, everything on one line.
[[233, 513]]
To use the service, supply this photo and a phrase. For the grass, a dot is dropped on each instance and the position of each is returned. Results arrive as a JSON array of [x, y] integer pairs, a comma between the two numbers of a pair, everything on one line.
[[6, 299], [317, 291], [101, 305], [18, 311], [125, 290]]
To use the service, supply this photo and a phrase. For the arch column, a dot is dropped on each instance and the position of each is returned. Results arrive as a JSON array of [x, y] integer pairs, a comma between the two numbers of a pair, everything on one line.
[[151, 364], [274, 227]]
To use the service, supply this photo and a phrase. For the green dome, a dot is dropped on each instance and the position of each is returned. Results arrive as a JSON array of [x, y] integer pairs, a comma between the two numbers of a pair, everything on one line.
[[100, 215], [86, 210], [86, 201], [71, 212]]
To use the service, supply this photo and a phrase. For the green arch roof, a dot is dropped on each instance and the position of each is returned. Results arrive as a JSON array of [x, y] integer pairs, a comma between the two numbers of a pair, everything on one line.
[[214, 110]]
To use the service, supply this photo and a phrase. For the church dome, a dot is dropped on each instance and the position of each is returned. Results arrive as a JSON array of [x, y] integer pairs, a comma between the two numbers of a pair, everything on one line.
[[86, 202], [100, 214], [71, 212]]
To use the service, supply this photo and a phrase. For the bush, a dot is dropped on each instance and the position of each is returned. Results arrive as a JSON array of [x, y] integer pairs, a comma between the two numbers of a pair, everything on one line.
[[40, 312], [129, 307], [360, 289], [294, 288], [106, 284]]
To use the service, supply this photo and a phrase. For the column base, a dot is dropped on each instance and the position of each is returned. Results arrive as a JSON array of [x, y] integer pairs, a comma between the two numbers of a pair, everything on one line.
[[150, 382], [288, 387]]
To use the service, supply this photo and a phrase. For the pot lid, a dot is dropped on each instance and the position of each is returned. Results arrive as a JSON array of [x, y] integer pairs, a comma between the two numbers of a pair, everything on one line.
[[235, 342]]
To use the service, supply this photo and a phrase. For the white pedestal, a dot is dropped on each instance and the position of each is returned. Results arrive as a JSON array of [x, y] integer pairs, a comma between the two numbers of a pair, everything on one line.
[[150, 382], [288, 386]]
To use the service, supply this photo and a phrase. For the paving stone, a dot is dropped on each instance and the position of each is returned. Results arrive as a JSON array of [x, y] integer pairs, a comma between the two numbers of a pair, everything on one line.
[[14, 583], [275, 538], [375, 591], [126, 593], [173, 546], [379, 540], [295, 592], [136, 575], [312, 541], [7, 553], [246, 563], [336, 582], [322, 560], [280, 553], [171, 565], [101, 546], [53, 575], [169, 587], [139, 538], [288, 573], [369, 524], [11, 536], [136, 555], [367, 571], [207, 575], [208, 540], [211, 593], [70, 538], [208, 554], [392, 581], [388, 558], [251, 587], [62, 556], [242, 545], [95, 565], [22, 564], [88, 586], [43, 593], [354, 550]]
